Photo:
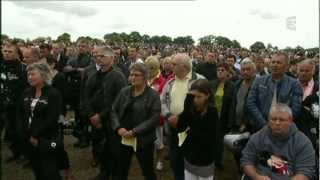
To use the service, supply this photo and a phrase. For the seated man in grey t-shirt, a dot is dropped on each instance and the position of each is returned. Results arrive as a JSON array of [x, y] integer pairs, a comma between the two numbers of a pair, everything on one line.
[[279, 151]]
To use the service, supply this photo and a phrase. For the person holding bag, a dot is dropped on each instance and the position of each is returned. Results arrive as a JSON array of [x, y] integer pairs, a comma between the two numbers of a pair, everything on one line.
[[38, 112]]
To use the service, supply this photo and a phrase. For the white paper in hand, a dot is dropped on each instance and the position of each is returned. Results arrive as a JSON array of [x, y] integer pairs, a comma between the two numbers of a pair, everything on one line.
[[182, 136], [132, 142]]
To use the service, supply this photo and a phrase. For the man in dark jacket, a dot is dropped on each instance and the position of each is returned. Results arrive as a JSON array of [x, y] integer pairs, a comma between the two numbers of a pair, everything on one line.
[[209, 68], [306, 122], [101, 89], [271, 89], [74, 70], [306, 71], [58, 53], [239, 118], [94, 134], [132, 59], [120, 60], [87, 73], [13, 80]]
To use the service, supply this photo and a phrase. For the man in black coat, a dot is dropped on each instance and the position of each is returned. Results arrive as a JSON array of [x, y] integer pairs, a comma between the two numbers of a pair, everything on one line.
[[74, 71], [306, 122], [239, 120], [58, 53], [209, 68], [100, 91], [13, 81]]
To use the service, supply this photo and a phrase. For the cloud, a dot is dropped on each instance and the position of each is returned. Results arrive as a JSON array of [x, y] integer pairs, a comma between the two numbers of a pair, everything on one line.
[[264, 14], [254, 11], [196, 18], [61, 6], [269, 15], [118, 24]]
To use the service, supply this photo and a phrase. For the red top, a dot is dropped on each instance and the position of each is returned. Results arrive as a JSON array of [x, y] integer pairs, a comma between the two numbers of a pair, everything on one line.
[[158, 85]]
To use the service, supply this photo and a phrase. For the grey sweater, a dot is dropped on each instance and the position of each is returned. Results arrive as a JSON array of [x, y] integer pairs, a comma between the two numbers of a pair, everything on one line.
[[295, 148]]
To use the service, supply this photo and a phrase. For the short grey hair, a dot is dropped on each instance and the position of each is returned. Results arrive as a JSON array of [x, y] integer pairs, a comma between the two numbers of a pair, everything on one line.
[[108, 50], [248, 61], [43, 69], [141, 67], [307, 61], [280, 107]]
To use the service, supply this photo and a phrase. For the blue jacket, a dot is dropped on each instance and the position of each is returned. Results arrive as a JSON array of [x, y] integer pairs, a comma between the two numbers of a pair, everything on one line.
[[260, 97]]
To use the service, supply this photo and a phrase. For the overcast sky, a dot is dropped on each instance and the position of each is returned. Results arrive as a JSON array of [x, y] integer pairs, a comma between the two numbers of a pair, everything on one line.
[[244, 20]]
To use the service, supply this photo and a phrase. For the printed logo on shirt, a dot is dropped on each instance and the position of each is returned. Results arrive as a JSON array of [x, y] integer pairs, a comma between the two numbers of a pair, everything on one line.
[[3, 76], [12, 76], [43, 101], [277, 164]]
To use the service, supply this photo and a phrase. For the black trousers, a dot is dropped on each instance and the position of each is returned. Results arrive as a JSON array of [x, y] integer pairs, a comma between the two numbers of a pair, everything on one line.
[[81, 122], [109, 158], [145, 159], [98, 139], [176, 158], [63, 157], [45, 165], [8, 118]]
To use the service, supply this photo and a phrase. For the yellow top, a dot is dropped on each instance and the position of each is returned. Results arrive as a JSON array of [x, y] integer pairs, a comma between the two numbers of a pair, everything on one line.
[[219, 98], [178, 94]]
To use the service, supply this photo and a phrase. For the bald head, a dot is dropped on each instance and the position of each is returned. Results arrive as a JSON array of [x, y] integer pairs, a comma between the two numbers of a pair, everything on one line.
[[31, 55], [183, 59], [306, 70], [182, 65]]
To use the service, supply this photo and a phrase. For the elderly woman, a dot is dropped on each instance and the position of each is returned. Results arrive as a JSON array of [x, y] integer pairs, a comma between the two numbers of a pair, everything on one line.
[[157, 82], [134, 117], [38, 112], [167, 68]]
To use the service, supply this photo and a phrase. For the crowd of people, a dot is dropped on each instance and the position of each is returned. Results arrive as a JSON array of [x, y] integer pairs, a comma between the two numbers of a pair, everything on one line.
[[135, 100]]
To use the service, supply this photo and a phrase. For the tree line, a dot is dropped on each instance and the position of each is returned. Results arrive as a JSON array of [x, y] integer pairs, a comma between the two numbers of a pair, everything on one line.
[[136, 38]]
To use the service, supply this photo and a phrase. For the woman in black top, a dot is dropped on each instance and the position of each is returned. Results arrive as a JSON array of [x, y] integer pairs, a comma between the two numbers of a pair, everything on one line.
[[199, 120], [134, 117], [59, 81], [222, 92], [38, 113]]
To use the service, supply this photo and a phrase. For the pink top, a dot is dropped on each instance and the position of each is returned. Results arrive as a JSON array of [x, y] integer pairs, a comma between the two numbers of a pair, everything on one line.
[[307, 90]]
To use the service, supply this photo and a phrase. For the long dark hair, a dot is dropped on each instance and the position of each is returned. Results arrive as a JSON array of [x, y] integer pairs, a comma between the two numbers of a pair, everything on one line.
[[204, 86]]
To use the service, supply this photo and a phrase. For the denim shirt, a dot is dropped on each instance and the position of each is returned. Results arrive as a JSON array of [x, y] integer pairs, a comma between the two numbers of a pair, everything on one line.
[[259, 102]]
